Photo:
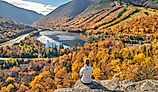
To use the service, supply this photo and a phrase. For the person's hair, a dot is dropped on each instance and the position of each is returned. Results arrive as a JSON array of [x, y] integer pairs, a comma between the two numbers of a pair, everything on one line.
[[87, 62]]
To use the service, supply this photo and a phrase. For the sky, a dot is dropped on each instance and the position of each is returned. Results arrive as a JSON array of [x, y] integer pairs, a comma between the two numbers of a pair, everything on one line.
[[53, 2], [40, 6]]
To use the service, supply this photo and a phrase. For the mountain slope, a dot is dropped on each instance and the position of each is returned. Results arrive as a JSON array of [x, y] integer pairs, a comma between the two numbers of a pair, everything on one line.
[[66, 11], [96, 14], [70, 9], [12, 12]]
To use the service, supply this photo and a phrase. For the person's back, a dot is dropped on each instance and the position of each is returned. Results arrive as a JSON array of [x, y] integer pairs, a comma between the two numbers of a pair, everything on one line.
[[86, 73]]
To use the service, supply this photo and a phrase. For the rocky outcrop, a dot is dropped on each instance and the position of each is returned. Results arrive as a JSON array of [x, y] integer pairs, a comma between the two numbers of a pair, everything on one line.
[[114, 86]]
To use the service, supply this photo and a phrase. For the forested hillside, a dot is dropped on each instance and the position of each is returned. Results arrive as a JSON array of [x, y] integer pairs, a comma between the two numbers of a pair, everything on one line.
[[108, 57], [10, 30]]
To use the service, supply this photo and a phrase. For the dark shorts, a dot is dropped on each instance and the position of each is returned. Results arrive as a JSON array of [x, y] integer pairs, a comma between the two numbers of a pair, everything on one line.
[[86, 83]]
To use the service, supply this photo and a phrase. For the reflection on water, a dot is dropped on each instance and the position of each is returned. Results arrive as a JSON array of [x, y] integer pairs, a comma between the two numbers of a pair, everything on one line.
[[58, 38], [65, 37]]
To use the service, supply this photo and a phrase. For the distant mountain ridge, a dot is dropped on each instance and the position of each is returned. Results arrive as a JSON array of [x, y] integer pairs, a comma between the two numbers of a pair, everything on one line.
[[145, 3], [39, 7], [14, 13]]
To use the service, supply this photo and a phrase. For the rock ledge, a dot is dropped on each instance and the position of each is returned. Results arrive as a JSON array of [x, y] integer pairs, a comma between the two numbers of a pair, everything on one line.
[[114, 86]]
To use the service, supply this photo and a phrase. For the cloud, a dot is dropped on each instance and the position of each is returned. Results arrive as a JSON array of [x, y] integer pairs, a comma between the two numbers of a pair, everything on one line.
[[34, 6]]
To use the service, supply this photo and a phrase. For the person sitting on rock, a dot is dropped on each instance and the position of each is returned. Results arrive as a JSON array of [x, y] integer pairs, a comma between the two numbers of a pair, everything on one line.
[[86, 73]]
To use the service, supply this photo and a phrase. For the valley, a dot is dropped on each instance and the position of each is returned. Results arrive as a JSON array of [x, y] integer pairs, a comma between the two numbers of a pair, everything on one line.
[[120, 38]]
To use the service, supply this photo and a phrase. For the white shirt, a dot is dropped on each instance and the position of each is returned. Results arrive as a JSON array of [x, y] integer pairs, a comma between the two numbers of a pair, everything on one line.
[[86, 73]]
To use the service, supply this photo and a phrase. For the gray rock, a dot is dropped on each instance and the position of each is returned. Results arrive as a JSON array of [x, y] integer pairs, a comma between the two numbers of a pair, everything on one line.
[[114, 86]]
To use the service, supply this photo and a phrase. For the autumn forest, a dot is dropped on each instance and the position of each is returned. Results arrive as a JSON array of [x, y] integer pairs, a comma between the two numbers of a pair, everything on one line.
[[122, 39]]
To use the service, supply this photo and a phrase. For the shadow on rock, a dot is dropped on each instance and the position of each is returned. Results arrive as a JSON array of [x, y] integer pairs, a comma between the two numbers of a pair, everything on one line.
[[94, 86]]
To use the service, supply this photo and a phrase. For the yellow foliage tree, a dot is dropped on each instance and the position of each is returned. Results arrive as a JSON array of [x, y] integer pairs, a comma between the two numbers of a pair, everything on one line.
[[36, 83], [75, 76], [97, 73], [10, 80]]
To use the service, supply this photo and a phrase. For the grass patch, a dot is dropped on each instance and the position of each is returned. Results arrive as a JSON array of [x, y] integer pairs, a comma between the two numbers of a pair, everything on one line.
[[121, 14], [147, 13]]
